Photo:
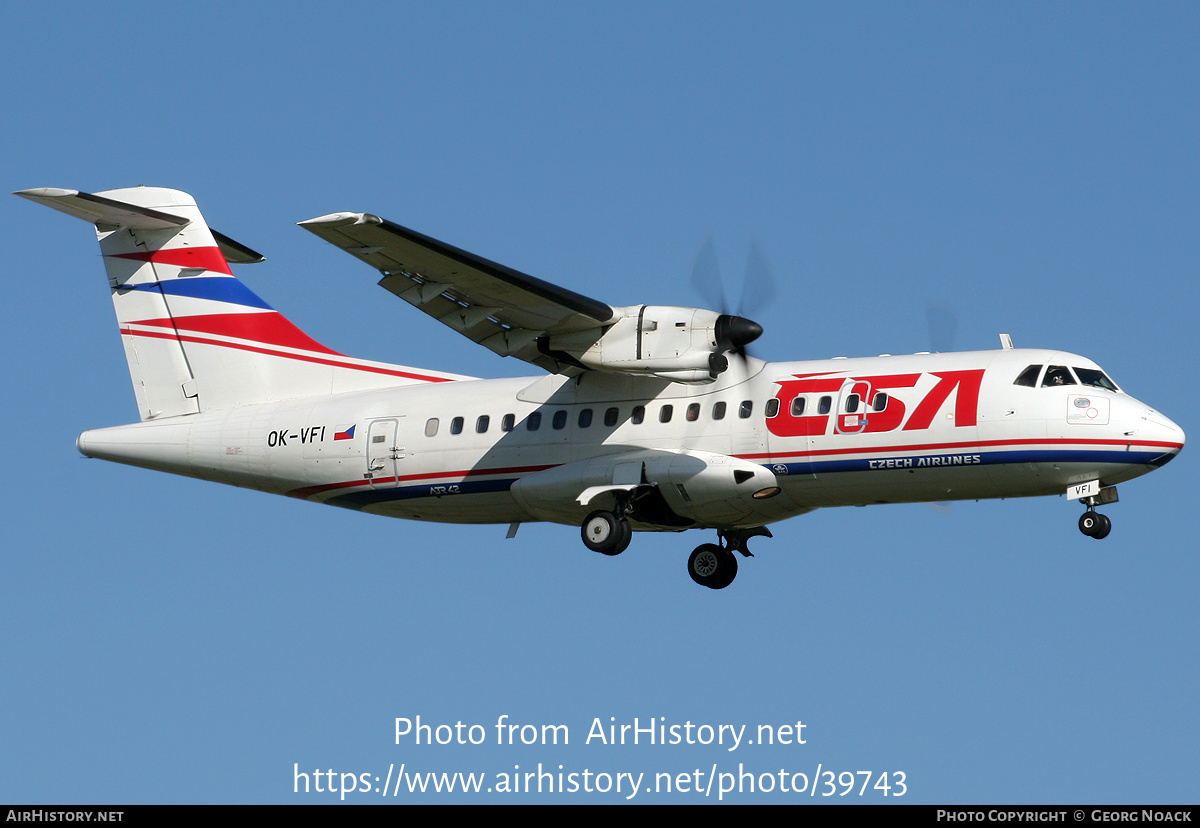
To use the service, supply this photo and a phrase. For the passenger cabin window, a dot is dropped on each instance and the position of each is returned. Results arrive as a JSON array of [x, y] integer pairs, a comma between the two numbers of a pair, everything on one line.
[[456, 425], [745, 409], [798, 406], [638, 415], [1029, 376], [611, 416], [880, 402], [507, 423], [1094, 378], [560, 420], [481, 425], [824, 404], [534, 421], [1058, 375], [719, 411], [693, 412], [772, 407], [852, 403], [431, 427], [585, 418], [664, 413]]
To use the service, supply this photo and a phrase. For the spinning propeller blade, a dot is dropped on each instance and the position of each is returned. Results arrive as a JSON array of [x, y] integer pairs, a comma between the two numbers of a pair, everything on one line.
[[734, 331]]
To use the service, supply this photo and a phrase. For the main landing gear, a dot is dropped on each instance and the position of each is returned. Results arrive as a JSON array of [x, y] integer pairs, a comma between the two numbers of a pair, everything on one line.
[[711, 564], [609, 532], [606, 532], [715, 566]]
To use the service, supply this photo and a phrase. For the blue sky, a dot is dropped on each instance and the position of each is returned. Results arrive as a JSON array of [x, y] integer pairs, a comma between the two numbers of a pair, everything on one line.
[[1032, 167]]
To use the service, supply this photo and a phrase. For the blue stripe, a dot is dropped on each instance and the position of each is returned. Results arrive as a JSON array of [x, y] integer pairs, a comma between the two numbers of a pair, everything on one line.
[[912, 462], [217, 288], [358, 500]]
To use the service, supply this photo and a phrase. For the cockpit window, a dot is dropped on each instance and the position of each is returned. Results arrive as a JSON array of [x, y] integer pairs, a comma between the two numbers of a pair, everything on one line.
[[1095, 378], [1029, 376], [1058, 375]]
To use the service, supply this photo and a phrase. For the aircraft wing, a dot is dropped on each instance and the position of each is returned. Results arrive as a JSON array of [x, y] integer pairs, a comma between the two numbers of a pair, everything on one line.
[[510, 312]]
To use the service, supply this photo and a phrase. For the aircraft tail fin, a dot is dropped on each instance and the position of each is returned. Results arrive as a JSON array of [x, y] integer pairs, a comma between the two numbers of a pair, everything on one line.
[[197, 339]]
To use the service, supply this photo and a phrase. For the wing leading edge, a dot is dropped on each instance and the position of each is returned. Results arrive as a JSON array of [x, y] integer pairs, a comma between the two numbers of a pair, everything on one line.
[[507, 311]]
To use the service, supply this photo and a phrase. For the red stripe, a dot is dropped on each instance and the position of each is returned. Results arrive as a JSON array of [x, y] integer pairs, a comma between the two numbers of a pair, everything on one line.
[[960, 446], [267, 328], [209, 258], [371, 369]]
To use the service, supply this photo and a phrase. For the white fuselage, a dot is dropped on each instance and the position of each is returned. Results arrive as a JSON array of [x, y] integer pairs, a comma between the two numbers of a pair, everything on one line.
[[650, 418], [951, 426]]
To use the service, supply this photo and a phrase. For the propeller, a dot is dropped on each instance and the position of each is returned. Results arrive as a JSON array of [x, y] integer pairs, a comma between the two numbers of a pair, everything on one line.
[[734, 331]]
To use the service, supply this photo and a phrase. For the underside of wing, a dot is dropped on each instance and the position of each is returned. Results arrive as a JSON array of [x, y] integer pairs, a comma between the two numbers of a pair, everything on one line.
[[507, 311]]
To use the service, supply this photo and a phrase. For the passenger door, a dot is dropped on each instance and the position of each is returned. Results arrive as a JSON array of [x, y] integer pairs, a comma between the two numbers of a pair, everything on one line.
[[383, 453]]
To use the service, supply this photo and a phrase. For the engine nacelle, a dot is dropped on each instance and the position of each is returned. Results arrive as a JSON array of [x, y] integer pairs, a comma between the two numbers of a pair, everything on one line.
[[679, 344]]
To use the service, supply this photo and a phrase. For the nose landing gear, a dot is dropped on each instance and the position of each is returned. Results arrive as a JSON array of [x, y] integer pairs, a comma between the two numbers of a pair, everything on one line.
[[1094, 525]]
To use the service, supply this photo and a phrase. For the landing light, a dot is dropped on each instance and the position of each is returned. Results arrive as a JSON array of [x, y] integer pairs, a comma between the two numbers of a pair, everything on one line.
[[763, 494]]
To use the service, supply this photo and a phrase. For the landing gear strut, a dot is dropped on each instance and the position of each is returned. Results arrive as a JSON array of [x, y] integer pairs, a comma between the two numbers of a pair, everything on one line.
[[716, 566]]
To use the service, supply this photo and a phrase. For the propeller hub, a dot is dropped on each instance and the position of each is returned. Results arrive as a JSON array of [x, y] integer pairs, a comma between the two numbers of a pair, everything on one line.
[[736, 332]]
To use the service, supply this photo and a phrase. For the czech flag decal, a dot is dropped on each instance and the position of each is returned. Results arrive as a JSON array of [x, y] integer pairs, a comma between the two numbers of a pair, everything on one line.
[[345, 434]]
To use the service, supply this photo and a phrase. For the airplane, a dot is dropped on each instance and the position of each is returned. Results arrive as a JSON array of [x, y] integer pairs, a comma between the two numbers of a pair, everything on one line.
[[647, 418]]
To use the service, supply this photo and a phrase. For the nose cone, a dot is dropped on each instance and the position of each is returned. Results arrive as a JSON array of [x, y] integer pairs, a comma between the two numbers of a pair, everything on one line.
[[1159, 432]]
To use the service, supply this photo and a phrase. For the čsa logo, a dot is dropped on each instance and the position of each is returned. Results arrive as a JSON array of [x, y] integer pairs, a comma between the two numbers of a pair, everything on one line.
[[865, 405]]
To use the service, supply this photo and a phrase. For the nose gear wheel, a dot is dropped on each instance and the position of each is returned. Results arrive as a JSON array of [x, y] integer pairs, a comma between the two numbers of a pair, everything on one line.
[[1095, 525]]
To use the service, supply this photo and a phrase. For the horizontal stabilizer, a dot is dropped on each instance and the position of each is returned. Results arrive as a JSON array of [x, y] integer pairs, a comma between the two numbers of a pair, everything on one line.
[[100, 210], [110, 214]]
